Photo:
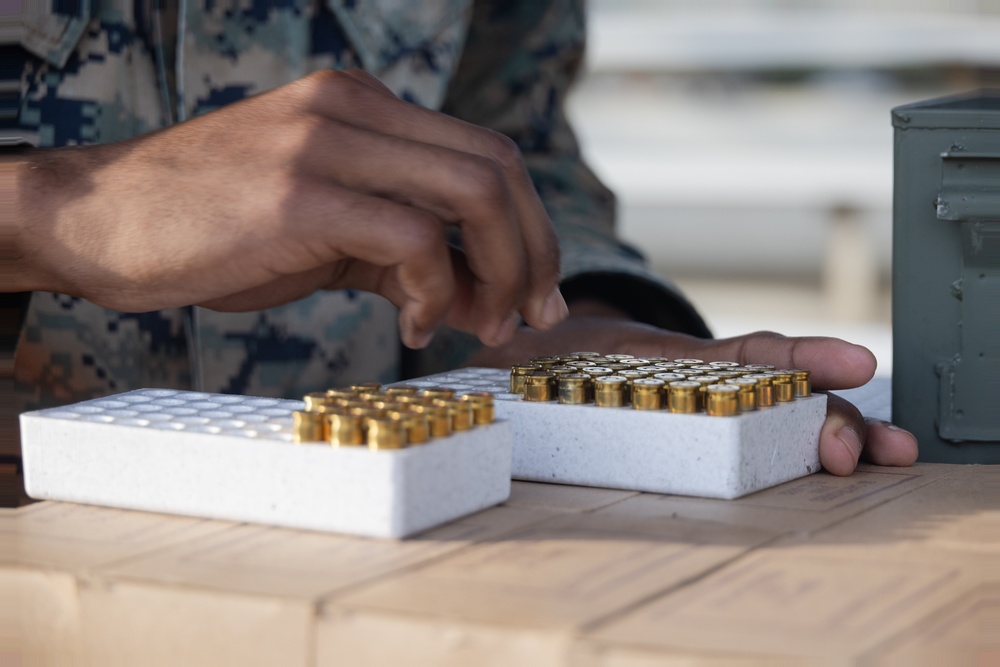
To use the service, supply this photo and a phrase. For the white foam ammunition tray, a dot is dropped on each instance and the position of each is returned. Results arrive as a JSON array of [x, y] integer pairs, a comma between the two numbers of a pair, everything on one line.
[[232, 457], [655, 451]]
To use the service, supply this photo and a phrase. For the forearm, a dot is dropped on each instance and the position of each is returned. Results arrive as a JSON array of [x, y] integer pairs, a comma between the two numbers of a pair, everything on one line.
[[17, 273]]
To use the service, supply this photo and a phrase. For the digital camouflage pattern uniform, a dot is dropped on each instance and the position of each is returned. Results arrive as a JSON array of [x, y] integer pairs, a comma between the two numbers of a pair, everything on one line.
[[99, 71]]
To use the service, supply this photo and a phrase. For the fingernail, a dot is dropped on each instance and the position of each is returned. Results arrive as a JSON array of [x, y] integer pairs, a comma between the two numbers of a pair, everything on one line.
[[554, 310], [850, 438], [506, 330], [413, 337]]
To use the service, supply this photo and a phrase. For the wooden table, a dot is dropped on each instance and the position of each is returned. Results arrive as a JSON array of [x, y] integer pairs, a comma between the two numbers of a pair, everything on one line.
[[889, 565]]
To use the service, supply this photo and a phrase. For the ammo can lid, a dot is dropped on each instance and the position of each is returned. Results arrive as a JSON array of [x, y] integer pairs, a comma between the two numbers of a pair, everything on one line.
[[976, 110]]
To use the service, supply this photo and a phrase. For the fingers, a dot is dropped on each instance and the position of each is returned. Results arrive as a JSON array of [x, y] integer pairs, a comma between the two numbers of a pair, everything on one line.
[[833, 363], [841, 440], [485, 166], [888, 445]]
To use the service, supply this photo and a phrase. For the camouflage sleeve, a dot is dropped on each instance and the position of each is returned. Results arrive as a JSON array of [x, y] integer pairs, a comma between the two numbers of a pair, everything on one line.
[[518, 64]]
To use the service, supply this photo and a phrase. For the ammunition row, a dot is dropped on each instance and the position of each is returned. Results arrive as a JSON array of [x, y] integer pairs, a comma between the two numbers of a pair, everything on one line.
[[720, 388], [389, 418]]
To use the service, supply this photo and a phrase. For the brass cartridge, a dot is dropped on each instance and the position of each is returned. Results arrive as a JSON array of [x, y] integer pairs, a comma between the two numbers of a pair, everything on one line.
[[802, 384], [307, 426], [364, 387], [686, 372], [316, 400], [580, 363], [483, 411], [765, 389], [517, 373], [725, 374], [461, 413], [619, 357], [635, 362], [585, 355], [437, 392], [650, 369], [542, 362], [634, 374], [682, 396], [539, 387], [613, 366], [689, 362], [722, 400], [784, 390], [669, 365], [402, 390], [724, 364], [385, 432], [597, 371], [416, 425], [759, 368], [341, 393], [657, 360], [704, 368], [748, 393], [669, 377], [438, 418], [344, 429], [647, 394], [609, 391], [575, 389], [562, 369]]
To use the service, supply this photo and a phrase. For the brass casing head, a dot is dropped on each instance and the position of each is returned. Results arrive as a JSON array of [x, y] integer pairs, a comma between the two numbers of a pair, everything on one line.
[[385, 432], [580, 363], [704, 368], [483, 411], [316, 400], [759, 368], [344, 429], [461, 413], [784, 390], [517, 373], [636, 362], [561, 369], [651, 369], [634, 374], [597, 371], [682, 396], [438, 418], [539, 387], [748, 393], [724, 364], [689, 362], [543, 362], [307, 426], [416, 425], [686, 372], [402, 390], [435, 393], [613, 366], [722, 400], [575, 389], [647, 394], [610, 391], [765, 389], [657, 360], [802, 384], [669, 377], [668, 366], [619, 357], [341, 394], [366, 387], [725, 374], [584, 355]]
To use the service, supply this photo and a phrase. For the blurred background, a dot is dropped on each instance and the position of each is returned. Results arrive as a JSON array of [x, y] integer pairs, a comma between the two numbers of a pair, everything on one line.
[[750, 145]]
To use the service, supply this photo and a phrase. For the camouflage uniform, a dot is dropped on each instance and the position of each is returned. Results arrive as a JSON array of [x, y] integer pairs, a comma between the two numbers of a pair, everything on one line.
[[104, 71]]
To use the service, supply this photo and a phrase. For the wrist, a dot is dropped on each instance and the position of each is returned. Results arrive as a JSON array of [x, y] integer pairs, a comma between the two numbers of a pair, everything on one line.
[[16, 271]]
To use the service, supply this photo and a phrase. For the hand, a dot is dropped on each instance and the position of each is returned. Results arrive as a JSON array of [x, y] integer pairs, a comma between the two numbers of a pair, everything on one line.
[[330, 182], [834, 364]]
